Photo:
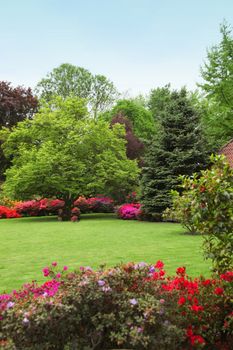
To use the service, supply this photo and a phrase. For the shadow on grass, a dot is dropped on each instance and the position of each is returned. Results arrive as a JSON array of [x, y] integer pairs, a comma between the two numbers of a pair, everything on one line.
[[36, 219], [98, 216]]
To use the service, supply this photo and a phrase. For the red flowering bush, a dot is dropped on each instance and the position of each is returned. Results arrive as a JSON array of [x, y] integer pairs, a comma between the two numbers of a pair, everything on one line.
[[129, 211], [8, 213], [133, 306], [39, 207], [101, 204], [83, 204]]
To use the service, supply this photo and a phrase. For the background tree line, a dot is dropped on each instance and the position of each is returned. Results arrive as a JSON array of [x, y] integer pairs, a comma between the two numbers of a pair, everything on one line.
[[167, 133]]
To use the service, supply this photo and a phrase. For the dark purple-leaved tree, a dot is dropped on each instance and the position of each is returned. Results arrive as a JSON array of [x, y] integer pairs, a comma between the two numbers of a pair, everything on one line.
[[134, 146], [16, 104]]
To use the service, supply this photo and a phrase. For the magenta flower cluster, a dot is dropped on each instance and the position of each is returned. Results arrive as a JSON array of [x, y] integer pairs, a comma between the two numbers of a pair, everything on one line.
[[129, 211]]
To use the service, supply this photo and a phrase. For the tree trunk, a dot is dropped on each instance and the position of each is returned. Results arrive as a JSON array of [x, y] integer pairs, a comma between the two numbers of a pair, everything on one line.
[[65, 214]]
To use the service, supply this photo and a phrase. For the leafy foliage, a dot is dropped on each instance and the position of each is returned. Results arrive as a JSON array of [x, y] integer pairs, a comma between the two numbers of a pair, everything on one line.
[[142, 121], [207, 206], [68, 80], [217, 73], [16, 104], [58, 154]]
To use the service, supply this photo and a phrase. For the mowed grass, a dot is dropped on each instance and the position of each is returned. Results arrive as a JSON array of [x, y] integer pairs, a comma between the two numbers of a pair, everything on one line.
[[29, 244]]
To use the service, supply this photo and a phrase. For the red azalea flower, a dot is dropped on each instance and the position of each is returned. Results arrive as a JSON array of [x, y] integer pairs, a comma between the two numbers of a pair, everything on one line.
[[181, 271], [206, 282], [197, 308], [46, 271], [218, 291], [159, 265], [197, 339], [161, 273], [227, 276], [181, 301]]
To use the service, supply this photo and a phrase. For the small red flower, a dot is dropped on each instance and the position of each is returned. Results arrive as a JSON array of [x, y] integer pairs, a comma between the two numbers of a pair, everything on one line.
[[206, 282], [46, 271], [159, 265], [197, 339], [227, 276], [181, 301], [218, 291], [181, 271], [197, 308]]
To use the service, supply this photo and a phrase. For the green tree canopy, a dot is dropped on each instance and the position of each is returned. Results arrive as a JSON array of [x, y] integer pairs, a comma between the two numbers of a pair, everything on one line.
[[217, 73], [140, 117], [68, 80], [64, 155]]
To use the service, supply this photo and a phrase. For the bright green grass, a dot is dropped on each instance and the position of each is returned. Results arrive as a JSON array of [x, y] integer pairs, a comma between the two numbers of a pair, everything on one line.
[[29, 244]]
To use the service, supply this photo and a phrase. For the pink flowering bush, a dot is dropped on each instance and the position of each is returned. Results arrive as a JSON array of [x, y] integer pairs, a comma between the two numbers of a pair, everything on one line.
[[47, 206], [8, 213], [101, 204], [39, 207], [133, 306], [83, 204], [129, 211]]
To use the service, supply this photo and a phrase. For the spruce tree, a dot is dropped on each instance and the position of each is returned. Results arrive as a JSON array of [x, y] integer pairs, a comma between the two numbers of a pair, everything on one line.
[[178, 151]]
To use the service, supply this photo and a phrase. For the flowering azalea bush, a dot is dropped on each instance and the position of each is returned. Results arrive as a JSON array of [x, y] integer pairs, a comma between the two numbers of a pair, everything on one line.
[[47, 206], [133, 306], [101, 204], [8, 213], [83, 205], [39, 207], [129, 211]]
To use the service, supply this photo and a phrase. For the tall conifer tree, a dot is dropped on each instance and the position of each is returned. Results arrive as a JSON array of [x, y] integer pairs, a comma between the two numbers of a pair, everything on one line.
[[178, 151]]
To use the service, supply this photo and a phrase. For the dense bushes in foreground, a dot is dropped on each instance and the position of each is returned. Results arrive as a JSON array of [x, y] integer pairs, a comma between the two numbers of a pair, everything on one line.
[[133, 306]]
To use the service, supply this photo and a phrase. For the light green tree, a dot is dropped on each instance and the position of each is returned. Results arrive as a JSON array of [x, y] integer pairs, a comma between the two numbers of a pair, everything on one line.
[[217, 73], [140, 117], [68, 80], [62, 153]]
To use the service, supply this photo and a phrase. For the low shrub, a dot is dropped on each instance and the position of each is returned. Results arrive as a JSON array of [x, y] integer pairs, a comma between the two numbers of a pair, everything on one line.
[[133, 306], [8, 213], [47, 206], [39, 207], [129, 211], [101, 204], [83, 205], [169, 215]]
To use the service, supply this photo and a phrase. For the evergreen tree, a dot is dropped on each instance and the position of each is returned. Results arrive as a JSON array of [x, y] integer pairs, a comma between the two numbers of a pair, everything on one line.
[[178, 151]]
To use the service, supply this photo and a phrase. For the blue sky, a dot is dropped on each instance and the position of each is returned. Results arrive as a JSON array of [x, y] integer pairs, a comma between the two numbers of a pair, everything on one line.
[[138, 44]]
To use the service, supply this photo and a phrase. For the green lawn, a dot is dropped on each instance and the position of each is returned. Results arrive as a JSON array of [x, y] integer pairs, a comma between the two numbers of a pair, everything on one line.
[[29, 244]]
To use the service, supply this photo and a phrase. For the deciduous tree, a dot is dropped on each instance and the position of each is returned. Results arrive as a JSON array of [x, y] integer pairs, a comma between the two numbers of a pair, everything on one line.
[[66, 155]]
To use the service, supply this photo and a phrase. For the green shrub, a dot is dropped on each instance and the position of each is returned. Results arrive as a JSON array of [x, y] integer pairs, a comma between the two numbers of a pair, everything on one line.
[[206, 206]]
